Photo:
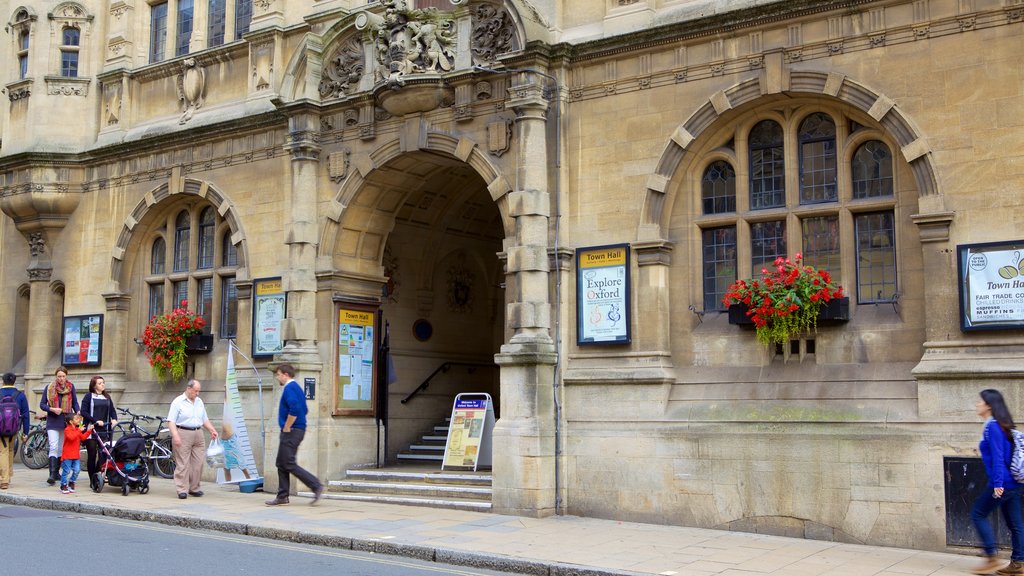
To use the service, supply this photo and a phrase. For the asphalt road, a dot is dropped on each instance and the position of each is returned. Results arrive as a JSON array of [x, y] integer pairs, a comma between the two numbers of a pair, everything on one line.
[[64, 543]]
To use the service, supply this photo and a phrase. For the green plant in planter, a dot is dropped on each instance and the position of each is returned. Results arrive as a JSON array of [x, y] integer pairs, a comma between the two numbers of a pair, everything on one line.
[[785, 300], [164, 340]]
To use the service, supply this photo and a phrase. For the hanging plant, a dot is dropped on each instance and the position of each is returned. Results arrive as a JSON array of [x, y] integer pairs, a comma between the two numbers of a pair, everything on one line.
[[164, 340], [786, 300]]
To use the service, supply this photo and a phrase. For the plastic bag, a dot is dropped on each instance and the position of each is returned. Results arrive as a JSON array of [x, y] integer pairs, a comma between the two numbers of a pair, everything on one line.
[[215, 453]]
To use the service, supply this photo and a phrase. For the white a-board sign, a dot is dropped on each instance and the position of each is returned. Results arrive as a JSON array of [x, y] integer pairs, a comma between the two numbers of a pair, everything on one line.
[[469, 433]]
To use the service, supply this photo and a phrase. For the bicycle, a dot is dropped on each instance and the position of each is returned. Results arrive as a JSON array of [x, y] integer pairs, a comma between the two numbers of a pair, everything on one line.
[[35, 450], [158, 449]]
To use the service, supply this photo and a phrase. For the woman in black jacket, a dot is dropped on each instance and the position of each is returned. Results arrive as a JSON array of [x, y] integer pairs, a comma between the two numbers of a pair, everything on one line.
[[97, 409]]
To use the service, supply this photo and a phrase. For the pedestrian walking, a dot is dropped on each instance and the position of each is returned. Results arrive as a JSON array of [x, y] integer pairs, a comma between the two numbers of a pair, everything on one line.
[[186, 419], [14, 415], [291, 416], [99, 412], [70, 464], [60, 403], [1002, 491]]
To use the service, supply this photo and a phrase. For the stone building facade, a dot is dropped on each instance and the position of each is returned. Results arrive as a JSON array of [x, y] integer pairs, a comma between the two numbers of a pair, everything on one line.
[[439, 162]]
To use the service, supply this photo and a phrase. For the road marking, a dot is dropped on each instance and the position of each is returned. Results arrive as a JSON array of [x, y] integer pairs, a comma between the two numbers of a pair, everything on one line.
[[263, 542]]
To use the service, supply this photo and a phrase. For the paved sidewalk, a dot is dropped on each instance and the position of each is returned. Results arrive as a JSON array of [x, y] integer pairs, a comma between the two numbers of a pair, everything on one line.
[[556, 546]]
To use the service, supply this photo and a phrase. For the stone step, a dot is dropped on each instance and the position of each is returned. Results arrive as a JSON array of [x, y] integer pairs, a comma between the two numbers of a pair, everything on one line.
[[420, 456], [429, 491], [425, 477], [430, 438], [471, 505], [427, 447]]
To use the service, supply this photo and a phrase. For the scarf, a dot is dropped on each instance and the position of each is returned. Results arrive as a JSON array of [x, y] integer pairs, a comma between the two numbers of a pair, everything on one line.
[[59, 397]]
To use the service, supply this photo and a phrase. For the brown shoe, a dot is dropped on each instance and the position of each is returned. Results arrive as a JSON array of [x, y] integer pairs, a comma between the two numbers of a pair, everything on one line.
[[988, 565], [1012, 569], [277, 502], [316, 495], [4, 486]]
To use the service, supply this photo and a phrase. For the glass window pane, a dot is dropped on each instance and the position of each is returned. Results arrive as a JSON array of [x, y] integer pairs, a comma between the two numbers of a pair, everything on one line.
[[767, 166], [876, 257], [243, 17], [767, 242], [229, 253], [70, 37], [156, 299], [228, 308], [207, 224], [182, 232], [69, 64], [718, 188], [215, 17], [719, 264], [817, 159], [23, 40], [180, 293], [820, 239], [157, 32], [184, 27], [872, 171], [204, 302], [158, 257]]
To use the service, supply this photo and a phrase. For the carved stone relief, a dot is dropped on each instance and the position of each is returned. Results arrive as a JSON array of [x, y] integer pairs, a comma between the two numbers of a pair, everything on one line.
[[494, 33], [343, 69], [410, 41], [460, 288], [67, 86], [262, 65], [36, 244], [499, 137], [191, 88], [337, 165]]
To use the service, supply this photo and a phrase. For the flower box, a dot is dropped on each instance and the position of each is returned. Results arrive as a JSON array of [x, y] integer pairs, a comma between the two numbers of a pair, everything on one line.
[[199, 344], [835, 311]]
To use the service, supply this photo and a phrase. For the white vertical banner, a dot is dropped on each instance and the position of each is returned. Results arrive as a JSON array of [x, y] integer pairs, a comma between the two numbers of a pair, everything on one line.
[[239, 463]]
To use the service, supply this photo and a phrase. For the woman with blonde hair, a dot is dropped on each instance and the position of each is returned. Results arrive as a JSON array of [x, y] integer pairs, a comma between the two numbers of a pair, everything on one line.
[[60, 403]]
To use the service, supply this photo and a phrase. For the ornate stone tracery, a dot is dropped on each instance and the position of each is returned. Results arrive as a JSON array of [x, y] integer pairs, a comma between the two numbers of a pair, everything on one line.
[[343, 69], [494, 33]]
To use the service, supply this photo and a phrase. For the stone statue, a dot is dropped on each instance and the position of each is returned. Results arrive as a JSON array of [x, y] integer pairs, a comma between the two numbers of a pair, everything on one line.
[[191, 88]]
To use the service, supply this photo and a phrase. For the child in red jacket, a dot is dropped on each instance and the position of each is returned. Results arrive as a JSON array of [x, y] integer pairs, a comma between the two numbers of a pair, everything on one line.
[[70, 465]]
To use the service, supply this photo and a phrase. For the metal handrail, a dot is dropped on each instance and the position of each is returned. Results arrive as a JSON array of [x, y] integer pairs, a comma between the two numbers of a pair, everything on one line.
[[444, 368]]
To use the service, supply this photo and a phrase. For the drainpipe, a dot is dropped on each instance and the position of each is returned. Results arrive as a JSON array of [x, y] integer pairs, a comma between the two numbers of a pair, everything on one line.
[[555, 93]]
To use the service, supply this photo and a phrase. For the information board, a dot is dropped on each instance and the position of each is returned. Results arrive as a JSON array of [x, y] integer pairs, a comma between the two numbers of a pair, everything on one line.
[[83, 340], [469, 433], [268, 313], [357, 347], [602, 295], [991, 280]]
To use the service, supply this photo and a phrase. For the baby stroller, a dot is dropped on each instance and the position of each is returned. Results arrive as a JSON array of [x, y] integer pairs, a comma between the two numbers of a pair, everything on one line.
[[123, 465]]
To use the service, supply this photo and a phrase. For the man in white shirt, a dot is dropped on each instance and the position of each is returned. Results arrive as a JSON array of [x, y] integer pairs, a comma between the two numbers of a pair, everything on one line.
[[186, 420]]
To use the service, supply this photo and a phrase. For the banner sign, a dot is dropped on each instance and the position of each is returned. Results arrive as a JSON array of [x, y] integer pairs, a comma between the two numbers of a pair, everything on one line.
[[357, 345], [239, 462], [469, 433], [83, 340], [991, 280], [268, 313], [602, 295]]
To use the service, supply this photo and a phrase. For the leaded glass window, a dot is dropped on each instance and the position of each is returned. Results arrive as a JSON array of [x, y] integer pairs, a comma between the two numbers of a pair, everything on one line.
[[767, 166], [718, 188], [817, 159]]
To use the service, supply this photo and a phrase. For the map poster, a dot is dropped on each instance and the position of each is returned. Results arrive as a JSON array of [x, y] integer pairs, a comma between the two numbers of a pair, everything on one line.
[[82, 340], [602, 295], [355, 375], [268, 313], [991, 279], [469, 433]]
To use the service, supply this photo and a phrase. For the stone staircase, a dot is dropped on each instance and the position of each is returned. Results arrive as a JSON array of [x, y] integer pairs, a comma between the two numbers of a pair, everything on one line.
[[417, 480]]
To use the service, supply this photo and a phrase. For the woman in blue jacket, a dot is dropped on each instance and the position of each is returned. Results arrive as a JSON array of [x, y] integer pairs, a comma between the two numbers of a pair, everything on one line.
[[1002, 492]]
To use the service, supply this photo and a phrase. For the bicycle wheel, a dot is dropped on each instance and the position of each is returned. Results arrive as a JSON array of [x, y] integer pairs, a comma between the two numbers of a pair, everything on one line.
[[162, 459], [35, 451]]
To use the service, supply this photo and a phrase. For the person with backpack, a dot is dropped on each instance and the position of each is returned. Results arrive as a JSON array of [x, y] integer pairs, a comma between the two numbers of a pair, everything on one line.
[[60, 403], [1002, 491], [14, 417]]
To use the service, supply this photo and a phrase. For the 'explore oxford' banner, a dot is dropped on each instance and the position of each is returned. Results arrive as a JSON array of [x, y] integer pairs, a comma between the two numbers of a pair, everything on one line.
[[602, 295]]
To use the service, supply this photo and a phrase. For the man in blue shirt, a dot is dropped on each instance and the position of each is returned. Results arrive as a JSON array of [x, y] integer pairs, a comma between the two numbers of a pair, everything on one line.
[[7, 443], [291, 416]]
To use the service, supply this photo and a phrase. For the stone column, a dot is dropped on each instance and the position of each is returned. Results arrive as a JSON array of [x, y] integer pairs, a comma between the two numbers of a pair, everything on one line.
[[524, 438], [41, 343]]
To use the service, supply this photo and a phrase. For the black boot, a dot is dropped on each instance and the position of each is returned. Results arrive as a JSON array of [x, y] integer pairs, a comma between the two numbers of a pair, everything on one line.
[[54, 470]]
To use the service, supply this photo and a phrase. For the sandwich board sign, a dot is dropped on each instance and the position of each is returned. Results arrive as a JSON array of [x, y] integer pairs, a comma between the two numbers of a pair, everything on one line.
[[469, 433]]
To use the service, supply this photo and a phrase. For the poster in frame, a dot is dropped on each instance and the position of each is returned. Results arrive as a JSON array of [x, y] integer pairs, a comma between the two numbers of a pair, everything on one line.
[[990, 277], [355, 375], [269, 308], [82, 340], [603, 295]]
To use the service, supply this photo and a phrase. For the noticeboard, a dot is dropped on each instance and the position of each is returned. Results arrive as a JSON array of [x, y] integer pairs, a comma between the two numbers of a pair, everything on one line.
[[83, 340], [355, 375], [991, 281], [602, 295], [268, 314], [469, 433]]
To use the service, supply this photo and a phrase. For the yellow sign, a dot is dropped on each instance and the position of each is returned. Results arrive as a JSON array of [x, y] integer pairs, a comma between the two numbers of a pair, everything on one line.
[[357, 347], [355, 317], [606, 257], [272, 286]]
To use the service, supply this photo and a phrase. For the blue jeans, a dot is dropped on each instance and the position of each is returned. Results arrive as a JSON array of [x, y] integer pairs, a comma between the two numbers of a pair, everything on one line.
[[1010, 503], [69, 467]]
